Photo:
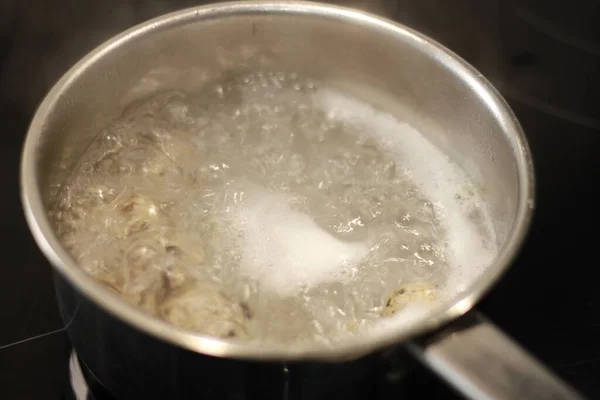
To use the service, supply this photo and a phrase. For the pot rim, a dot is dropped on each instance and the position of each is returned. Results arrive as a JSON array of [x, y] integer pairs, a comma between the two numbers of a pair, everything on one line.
[[353, 347]]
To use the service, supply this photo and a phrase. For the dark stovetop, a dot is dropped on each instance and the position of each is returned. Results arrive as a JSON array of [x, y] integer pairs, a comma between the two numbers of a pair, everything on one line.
[[542, 59]]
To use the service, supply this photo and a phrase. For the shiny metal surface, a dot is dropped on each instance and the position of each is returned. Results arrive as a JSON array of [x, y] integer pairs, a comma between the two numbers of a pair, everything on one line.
[[120, 360], [484, 363], [399, 70]]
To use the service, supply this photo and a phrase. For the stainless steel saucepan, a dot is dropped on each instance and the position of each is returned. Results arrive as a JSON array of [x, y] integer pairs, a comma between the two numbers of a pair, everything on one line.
[[135, 355]]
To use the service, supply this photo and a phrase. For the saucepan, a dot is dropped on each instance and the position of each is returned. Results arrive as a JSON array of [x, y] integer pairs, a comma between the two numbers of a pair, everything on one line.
[[137, 356]]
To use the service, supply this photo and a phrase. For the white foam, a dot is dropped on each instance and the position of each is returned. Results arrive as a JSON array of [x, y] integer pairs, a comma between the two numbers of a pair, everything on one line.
[[469, 249], [287, 250]]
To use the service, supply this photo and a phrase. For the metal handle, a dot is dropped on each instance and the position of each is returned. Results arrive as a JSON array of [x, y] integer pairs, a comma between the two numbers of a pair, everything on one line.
[[482, 362]]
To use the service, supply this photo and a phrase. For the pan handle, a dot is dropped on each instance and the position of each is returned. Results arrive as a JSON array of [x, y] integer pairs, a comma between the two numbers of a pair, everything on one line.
[[482, 362]]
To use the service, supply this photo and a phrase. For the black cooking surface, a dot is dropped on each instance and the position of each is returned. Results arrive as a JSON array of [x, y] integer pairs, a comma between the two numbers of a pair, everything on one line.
[[543, 59]]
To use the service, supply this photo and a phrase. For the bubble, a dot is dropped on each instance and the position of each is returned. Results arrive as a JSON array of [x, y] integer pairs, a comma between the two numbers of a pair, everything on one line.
[[309, 206]]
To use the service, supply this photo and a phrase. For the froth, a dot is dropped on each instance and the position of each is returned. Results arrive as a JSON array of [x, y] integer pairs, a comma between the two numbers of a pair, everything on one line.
[[469, 247], [286, 250]]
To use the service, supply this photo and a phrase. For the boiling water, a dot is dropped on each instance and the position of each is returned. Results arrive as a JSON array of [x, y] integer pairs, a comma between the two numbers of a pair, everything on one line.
[[271, 208]]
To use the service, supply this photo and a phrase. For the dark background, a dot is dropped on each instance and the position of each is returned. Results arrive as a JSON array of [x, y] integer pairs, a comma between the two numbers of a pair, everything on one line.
[[542, 55]]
